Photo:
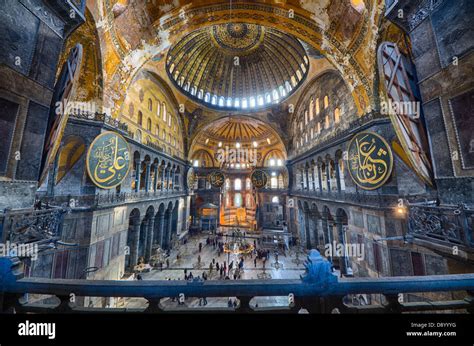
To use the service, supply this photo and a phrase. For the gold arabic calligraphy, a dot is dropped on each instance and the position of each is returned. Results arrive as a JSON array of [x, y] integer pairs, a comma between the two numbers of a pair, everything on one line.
[[370, 161], [109, 160]]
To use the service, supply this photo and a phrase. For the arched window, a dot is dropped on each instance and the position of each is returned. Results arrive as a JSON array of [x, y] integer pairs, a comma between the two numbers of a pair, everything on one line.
[[157, 131], [221, 101], [237, 184], [327, 122], [306, 117], [237, 200], [150, 105], [244, 103], [200, 94], [317, 106], [207, 98], [138, 136], [164, 112], [274, 182], [326, 102], [311, 110], [275, 199], [158, 109], [337, 115], [252, 102], [214, 100], [229, 102], [268, 98], [248, 184], [164, 134], [299, 75], [148, 124], [140, 118]]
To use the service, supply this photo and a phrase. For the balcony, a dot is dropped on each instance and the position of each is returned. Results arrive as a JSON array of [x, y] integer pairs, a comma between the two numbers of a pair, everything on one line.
[[360, 199], [91, 201], [445, 226], [317, 282]]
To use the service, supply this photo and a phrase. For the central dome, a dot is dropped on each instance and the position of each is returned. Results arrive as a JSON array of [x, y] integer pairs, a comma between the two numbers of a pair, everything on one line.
[[237, 66]]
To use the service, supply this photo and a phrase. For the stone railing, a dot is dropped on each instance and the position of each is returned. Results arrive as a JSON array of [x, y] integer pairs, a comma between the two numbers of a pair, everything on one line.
[[449, 225], [317, 282], [102, 118], [348, 197], [108, 199]]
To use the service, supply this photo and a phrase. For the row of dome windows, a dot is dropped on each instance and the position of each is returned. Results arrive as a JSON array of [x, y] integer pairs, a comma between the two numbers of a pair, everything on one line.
[[274, 96]]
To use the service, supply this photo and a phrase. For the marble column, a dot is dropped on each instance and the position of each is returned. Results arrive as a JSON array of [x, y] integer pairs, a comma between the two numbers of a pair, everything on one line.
[[340, 234], [338, 179], [146, 222], [307, 227], [328, 176], [137, 175], [163, 172], [161, 229], [319, 179], [155, 177], [147, 175], [149, 242], [134, 232]]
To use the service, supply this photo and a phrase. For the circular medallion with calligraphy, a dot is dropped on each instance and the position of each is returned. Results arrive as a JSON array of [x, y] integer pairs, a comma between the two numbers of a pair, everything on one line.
[[216, 179], [259, 178], [370, 160], [108, 160]]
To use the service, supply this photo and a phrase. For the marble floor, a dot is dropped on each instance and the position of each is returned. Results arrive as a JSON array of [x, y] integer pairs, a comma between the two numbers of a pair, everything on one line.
[[289, 266]]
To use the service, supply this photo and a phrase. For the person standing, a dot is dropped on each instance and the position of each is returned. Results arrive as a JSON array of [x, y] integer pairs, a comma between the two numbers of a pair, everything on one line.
[[255, 262], [200, 247]]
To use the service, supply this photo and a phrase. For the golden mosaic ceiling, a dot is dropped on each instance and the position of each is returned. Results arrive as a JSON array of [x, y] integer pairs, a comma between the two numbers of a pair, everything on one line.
[[238, 129], [237, 66]]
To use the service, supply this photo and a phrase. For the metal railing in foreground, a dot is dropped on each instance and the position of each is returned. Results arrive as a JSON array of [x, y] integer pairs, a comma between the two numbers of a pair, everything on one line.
[[318, 290]]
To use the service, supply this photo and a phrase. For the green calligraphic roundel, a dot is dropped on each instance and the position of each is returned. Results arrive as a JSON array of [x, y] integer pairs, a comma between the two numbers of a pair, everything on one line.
[[216, 179], [108, 160], [370, 160], [259, 178]]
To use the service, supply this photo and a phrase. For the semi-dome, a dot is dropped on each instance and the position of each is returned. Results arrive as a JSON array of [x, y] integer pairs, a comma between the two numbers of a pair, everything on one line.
[[237, 66]]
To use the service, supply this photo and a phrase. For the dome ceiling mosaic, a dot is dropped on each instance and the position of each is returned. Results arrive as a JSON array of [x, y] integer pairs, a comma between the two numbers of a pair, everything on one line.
[[237, 66]]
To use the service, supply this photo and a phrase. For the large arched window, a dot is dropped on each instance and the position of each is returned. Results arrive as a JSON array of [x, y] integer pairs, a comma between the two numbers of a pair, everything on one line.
[[407, 122], [237, 184], [150, 105], [237, 200]]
